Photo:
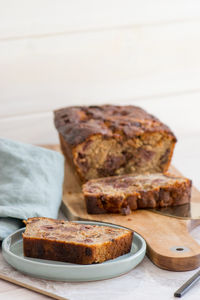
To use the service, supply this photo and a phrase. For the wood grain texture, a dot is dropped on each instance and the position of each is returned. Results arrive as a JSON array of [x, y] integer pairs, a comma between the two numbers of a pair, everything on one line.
[[162, 233], [103, 66], [24, 18]]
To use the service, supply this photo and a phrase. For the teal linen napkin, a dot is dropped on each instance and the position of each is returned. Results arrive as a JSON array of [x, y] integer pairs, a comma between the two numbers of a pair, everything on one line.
[[31, 180]]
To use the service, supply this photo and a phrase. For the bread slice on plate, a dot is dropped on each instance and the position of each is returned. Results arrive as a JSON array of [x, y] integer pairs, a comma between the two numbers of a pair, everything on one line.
[[72, 242], [121, 194]]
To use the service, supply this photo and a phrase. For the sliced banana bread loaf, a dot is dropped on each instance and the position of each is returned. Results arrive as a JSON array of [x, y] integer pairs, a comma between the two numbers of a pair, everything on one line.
[[109, 140], [121, 194], [72, 242]]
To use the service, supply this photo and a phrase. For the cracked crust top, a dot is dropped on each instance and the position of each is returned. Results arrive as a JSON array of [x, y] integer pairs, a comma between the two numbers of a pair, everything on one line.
[[77, 123]]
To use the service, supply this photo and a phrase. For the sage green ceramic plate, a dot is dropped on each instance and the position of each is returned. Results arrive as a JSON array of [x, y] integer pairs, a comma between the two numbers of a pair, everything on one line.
[[13, 253]]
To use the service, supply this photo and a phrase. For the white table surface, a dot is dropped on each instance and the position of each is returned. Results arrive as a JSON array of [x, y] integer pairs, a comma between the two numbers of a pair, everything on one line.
[[64, 52]]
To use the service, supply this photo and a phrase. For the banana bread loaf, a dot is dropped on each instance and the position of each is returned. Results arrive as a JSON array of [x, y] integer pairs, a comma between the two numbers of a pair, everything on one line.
[[121, 194], [108, 140], [72, 242]]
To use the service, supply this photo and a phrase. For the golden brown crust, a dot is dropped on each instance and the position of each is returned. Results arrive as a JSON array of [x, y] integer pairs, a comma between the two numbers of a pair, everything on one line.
[[121, 194], [77, 123], [39, 244], [101, 141]]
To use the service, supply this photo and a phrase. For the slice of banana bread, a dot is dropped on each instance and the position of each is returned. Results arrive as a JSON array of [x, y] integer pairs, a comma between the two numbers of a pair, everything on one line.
[[101, 141], [72, 242], [121, 194]]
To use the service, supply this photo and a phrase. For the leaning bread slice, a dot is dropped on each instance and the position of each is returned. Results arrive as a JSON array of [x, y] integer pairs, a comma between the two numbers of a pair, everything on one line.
[[121, 194], [72, 242]]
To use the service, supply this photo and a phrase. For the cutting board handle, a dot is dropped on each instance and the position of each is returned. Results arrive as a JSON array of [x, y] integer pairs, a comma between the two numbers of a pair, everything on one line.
[[171, 246]]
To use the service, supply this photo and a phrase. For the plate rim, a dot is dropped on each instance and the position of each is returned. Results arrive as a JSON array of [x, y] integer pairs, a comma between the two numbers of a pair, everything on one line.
[[45, 263]]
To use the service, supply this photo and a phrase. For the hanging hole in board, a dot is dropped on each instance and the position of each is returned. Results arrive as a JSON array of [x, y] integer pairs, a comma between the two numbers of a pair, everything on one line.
[[179, 249]]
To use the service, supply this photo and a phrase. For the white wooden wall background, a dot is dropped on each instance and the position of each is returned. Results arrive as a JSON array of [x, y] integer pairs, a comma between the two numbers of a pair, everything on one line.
[[55, 53], [62, 52]]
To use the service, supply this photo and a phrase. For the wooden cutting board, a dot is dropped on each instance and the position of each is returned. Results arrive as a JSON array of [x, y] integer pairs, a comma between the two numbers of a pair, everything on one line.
[[169, 243]]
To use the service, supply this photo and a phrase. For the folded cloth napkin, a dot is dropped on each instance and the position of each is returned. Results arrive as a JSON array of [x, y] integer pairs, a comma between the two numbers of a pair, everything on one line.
[[31, 180]]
